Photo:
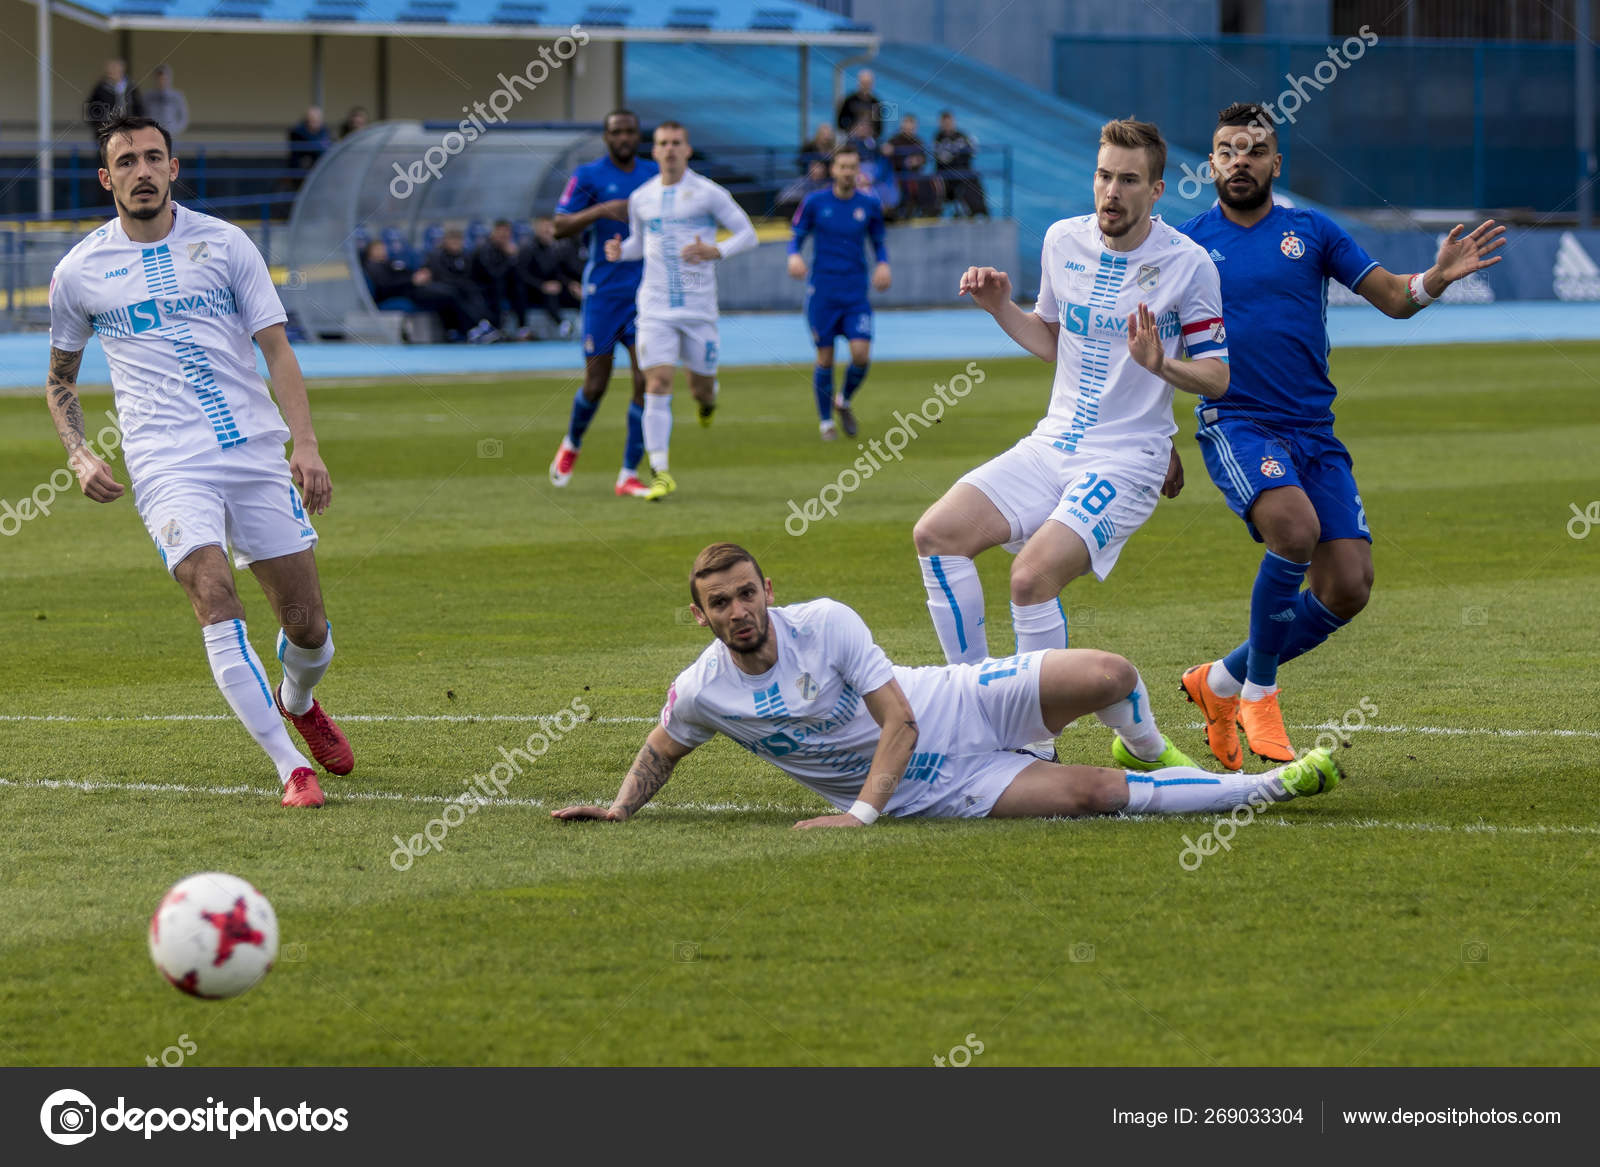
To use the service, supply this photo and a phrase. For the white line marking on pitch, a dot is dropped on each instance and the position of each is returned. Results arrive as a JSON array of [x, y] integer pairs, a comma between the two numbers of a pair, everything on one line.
[[340, 794]]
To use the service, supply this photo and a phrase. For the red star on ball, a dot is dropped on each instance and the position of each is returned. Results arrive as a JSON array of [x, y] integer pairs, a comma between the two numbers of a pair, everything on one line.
[[232, 929]]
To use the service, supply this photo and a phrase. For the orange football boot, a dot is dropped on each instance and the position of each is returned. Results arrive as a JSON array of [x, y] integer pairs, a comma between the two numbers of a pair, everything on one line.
[[1222, 735], [1262, 722]]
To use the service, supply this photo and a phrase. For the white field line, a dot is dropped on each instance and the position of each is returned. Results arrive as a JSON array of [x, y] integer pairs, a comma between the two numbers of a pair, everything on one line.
[[339, 793], [531, 718]]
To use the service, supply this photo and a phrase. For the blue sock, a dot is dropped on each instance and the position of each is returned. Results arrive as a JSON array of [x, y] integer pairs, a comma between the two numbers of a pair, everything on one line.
[[822, 390], [1238, 661], [582, 415], [1313, 624], [853, 376], [634, 450], [1272, 615]]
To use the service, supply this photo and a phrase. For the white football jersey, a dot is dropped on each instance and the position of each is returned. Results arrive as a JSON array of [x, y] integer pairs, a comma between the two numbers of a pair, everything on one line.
[[1102, 397], [662, 221], [176, 321]]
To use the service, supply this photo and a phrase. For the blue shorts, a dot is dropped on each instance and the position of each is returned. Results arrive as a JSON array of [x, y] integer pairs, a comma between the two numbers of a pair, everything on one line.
[[1245, 457], [608, 320], [828, 319]]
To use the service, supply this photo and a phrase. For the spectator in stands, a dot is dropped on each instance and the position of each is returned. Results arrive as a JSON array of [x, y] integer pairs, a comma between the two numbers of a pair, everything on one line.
[[952, 158], [167, 105], [308, 139], [356, 119], [392, 284], [552, 273], [494, 270], [863, 103], [819, 149], [877, 175], [919, 191], [113, 96], [450, 266]]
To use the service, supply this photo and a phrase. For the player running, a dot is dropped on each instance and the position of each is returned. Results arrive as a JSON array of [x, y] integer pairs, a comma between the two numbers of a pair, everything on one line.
[[805, 687], [842, 219], [595, 203], [1121, 296], [1269, 445], [176, 298], [672, 225]]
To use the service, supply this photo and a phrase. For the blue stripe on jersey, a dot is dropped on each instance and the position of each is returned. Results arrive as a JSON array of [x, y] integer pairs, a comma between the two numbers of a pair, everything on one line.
[[950, 598], [1160, 782], [1225, 454], [669, 254], [769, 702], [1095, 364], [924, 768], [197, 370], [161, 278]]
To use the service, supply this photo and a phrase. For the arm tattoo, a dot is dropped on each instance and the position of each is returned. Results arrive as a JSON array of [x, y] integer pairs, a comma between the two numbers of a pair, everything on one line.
[[61, 389], [649, 774]]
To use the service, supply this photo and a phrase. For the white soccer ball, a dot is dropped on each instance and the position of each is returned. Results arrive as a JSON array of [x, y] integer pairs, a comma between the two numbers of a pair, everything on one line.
[[213, 935]]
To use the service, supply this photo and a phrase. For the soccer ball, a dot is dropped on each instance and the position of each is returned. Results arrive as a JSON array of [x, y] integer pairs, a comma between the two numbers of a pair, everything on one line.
[[213, 935]]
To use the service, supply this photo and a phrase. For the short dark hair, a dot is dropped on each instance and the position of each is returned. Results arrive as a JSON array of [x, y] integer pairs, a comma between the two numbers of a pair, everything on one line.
[[499, 223], [671, 125], [619, 113], [1248, 113], [716, 558], [1134, 135], [128, 125], [847, 148]]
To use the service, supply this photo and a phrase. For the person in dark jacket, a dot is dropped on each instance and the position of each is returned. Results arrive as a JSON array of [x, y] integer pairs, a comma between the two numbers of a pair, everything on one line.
[[919, 191], [390, 280], [113, 96], [450, 266], [494, 270], [308, 139], [552, 272], [952, 158], [863, 103]]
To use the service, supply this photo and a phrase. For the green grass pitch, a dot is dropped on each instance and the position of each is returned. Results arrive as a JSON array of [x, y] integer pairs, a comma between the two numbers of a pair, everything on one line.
[[1439, 908]]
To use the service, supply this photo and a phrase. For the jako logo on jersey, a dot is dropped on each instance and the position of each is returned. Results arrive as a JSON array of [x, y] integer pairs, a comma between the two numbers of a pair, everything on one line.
[[1272, 468], [1074, 265], [1292, 246], [121, 271]]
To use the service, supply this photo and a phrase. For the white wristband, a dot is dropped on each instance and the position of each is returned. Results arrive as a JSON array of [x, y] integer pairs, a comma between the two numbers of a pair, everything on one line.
[[865, 811], [1416, 289]]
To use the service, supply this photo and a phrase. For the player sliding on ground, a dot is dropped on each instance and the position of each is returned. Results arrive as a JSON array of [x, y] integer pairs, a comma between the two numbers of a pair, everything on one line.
[[1269, 445], [176, 298], [1121, 296], [842, 219], [672, 225], [805, 687]]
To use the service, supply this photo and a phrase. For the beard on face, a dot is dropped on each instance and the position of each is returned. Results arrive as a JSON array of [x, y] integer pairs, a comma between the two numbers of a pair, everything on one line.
[[147, 212], [1121, 228], [764, 632], [1248, 200]]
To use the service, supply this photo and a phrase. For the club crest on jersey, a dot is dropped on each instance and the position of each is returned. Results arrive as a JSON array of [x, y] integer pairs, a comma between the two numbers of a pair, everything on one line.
[[1293, 246], [1271, 468], [1218, 333], [1148, 277], [172, 533], [199, 252], [860, 215], [808, 687]]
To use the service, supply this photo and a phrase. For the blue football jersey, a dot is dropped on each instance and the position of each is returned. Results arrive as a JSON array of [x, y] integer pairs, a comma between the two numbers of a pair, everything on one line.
[[1275, 298], [842, 228], [601, 181]]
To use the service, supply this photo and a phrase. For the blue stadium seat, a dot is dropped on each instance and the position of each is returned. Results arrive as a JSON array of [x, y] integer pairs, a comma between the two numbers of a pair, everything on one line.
[[521, 231], [607, 16], [691, 17], [518, 12], [335, 10], [774, 19], [399, 246], [432, 237], [239, 9], [477, 232], [426, 12]]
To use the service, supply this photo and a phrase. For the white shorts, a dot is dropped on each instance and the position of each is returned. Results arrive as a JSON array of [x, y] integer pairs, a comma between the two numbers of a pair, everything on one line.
[[690, 343], [970, 717], [1101, 496], [241, 498]]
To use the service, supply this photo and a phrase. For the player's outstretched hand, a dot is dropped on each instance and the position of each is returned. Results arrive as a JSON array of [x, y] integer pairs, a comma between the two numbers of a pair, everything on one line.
[[881, 278], [613, 249], [829, 820], [311, 476], [1461, 255], [1174, 482], [989, 289], [1144, 342], [571, 814], [797, 266], [94, 477]]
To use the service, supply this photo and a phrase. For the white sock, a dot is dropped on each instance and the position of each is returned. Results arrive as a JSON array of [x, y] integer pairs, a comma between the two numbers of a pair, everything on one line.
[[658, 429], [1039, 625], [1254, 692], [302, 669], [1135, 723], [1222, 682], [955, 601], [1187, 790], [244, 683]]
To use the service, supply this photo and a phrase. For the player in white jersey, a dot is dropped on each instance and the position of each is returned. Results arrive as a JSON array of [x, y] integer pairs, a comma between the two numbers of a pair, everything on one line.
[[805, 688], [672, 226], [1121, 297], [176, 298]]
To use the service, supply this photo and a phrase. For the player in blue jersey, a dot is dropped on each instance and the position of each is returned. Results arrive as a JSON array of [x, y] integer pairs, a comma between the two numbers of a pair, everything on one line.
[[1269, 444], [595, 203], [842, 219]]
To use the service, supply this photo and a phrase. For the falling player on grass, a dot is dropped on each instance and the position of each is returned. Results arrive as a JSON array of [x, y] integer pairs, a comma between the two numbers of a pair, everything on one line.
[[1269, 445], [1121, 297], [841, 219], [805, 687], [176, 298], [672, 226]]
